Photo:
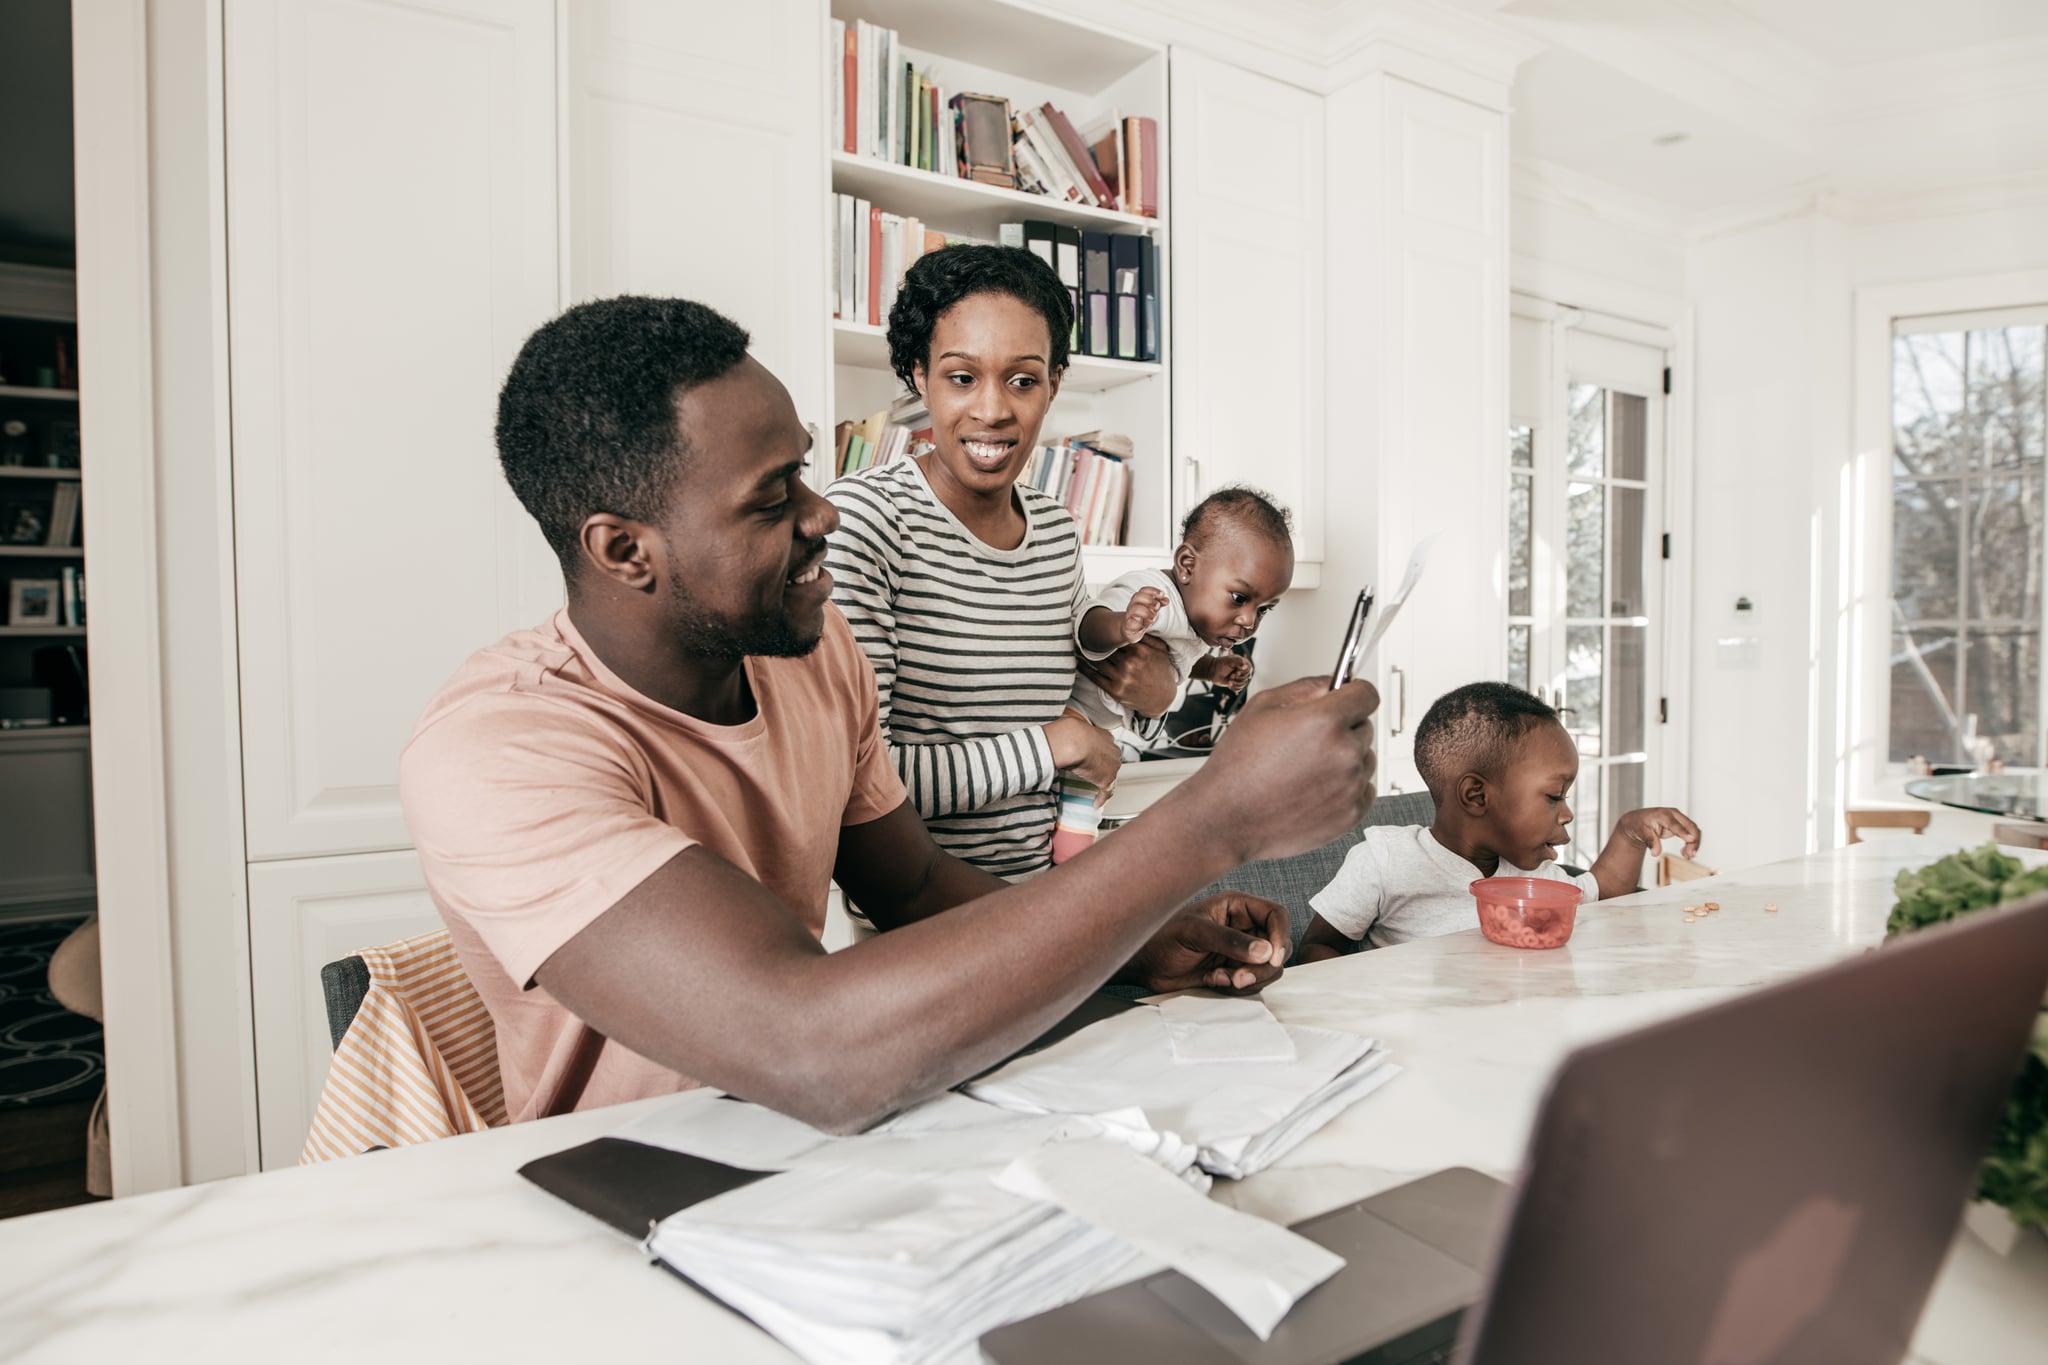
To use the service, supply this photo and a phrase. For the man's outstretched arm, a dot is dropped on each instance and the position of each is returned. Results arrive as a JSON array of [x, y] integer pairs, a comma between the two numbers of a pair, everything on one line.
[[702, 969]]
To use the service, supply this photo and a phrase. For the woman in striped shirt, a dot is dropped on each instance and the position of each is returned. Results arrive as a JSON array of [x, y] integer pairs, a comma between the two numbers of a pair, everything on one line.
[[961, 586]]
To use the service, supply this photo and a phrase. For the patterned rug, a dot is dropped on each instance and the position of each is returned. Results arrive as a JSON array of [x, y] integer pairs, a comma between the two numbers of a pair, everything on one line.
[[47, 1054]]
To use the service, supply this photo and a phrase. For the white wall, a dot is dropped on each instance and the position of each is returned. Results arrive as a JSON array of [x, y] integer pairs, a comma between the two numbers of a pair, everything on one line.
[[1764, 326], [1775, 390], [1574, 244]]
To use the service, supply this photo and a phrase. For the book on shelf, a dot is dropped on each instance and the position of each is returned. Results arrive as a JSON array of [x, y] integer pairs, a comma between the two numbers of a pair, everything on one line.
[[1090, 476], [63, 515], [71, 596], [896, 432], [1140, 180], [1074, 154]]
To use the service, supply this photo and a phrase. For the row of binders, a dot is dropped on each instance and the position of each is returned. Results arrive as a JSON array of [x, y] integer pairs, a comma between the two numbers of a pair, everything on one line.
[[1112, 279], [885, 107], [1090, 476]]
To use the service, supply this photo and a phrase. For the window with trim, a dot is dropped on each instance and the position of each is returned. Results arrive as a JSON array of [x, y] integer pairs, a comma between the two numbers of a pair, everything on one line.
[[1968, 422]]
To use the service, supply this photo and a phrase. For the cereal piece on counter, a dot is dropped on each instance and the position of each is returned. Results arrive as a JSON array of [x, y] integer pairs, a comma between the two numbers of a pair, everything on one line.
[[1771, 909], [1713, 905]]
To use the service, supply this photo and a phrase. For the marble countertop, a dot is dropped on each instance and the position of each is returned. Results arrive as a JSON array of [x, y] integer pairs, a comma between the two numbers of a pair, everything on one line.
[[442, 1250]]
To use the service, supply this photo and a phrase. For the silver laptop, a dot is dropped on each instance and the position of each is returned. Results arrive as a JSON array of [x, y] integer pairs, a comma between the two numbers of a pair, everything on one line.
[[1771, 1181]]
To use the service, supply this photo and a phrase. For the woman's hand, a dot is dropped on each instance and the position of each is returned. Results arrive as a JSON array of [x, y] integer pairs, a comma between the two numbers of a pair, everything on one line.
[[1140, 676], [1086, 751]]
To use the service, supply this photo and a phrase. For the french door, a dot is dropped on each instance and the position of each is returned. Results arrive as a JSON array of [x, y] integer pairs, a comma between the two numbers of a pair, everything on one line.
[[1585, 457]]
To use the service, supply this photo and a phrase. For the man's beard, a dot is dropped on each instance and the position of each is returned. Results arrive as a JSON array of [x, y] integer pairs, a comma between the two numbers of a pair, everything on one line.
[[765, 635]]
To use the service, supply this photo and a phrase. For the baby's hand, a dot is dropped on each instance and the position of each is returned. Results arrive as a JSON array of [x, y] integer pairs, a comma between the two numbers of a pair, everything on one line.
[[1141, 613], [1650, 827], [1228, 671]]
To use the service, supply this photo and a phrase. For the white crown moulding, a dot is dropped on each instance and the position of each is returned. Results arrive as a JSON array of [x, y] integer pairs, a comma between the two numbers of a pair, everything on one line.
[[1324, 47]]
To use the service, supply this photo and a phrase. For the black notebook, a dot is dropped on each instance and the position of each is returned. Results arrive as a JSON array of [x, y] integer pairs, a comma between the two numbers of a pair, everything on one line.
[[633, 1186]]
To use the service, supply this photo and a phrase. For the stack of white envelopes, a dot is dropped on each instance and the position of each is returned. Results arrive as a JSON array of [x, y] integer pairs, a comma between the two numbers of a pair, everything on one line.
[[903, 1245], [1221, 1075]]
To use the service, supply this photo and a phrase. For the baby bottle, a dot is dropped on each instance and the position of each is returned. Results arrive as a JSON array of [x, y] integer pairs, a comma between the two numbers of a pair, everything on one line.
[[1079, 818]]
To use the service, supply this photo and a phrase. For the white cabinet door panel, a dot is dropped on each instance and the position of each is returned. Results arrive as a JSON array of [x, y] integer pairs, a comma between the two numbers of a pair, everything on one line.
[[697, 137], [1442, 411], [1248, 301], [392, 241], [303, 914]]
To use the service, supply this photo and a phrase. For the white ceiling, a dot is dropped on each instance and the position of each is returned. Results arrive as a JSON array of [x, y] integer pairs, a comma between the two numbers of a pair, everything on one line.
[[1861, 99], [1849, 32]]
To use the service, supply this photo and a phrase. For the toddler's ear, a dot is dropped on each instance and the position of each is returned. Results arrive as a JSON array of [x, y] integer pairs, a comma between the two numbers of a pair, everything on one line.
[[1472, 794], [1184, 561]]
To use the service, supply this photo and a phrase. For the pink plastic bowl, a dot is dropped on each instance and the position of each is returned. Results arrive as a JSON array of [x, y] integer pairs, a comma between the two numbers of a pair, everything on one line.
[[1527, 912]]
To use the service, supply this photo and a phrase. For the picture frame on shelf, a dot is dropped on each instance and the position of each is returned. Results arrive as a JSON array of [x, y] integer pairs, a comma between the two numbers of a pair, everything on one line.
[[33, 602], [986, 154], [23, 523]]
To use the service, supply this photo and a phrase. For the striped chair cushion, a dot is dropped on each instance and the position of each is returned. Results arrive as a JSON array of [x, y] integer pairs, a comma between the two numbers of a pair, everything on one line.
[[419, 1062]]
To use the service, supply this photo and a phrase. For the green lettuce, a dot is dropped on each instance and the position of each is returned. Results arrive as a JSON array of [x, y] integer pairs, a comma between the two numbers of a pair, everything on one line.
[[2015, 1174]]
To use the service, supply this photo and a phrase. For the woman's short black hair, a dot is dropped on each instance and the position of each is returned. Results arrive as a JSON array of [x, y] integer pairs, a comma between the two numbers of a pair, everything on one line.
[[940, 279], [587, 417]]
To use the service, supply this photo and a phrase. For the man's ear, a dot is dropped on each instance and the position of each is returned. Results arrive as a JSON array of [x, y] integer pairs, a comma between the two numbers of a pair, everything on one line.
[[620, 550], [1471, 794], [1184, 561]]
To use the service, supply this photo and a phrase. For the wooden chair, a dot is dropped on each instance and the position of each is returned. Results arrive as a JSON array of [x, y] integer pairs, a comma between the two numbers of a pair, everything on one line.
[[2021, 833], [1671, 868], [1885, 818]]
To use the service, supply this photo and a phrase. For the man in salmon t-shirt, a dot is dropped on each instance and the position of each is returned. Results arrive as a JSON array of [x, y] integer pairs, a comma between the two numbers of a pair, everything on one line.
[[629, 815]]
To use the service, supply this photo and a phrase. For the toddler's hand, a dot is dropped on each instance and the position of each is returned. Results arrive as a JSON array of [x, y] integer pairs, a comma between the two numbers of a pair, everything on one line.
[[1650, 827], [1141, 613], [1228, 671]]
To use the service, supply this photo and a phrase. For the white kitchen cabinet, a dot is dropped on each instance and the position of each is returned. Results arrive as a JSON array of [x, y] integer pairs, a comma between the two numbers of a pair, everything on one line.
[[392, 239], [303, 914], [697, 167], [1417, 351], [1247, 154]]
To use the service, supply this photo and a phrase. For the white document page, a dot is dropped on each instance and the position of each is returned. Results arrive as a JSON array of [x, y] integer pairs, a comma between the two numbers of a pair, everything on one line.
[[1205, 1028], [1256, 1269]]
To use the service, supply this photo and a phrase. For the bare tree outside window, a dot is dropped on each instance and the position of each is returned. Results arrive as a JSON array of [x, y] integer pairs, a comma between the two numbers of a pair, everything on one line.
[[1969, 413]]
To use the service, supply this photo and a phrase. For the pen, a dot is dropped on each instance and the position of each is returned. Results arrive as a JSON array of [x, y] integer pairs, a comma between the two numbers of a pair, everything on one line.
[[1347, 657]]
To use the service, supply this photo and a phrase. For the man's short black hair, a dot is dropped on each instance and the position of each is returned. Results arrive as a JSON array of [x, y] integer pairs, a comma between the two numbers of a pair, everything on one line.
[[587, 417], [939, 279], [1473, 729], [1242, 506]]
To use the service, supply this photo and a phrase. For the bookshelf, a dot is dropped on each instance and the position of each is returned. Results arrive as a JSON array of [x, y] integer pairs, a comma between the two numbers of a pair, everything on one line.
[[41, 660], [1030, 58]]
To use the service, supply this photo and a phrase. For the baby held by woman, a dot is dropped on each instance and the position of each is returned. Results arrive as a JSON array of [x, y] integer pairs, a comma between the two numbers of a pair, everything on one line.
[[1235, 558]]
